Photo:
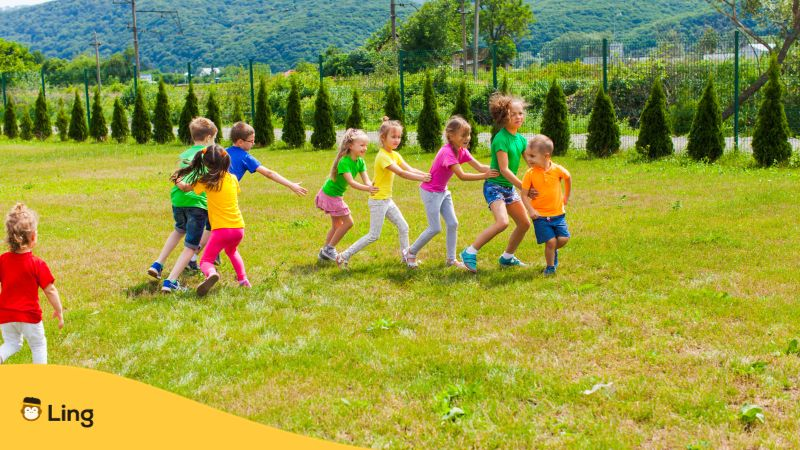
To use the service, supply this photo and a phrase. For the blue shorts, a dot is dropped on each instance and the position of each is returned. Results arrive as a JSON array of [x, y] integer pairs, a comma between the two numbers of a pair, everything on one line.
[[493, 192], [547, 228], [191, 221]]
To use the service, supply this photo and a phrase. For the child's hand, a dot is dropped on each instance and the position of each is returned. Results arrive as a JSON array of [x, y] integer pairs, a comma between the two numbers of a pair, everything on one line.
[[426, 177], [299, 190], [60, 316], [373, 189], [535, 214], [532, 192], [492, 173]]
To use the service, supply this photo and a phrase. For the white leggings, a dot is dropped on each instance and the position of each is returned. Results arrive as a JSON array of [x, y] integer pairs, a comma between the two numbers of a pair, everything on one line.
[[13, 332], [378, 211], [436, 204]]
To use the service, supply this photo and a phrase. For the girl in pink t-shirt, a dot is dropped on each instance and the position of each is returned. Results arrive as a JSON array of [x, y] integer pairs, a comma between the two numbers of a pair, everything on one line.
[[435, 195]]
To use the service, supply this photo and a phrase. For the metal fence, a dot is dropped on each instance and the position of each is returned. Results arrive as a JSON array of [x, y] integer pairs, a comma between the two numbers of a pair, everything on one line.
[[625, 69]]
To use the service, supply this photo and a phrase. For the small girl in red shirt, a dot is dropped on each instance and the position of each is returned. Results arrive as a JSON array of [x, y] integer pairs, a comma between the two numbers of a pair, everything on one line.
[[21, 276]]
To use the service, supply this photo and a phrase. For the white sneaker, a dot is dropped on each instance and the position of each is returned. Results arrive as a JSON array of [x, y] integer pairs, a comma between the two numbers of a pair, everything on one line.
[[327, 255], [409, 259]]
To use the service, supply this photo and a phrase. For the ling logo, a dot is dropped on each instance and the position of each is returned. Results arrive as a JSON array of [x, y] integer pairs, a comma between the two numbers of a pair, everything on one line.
[[32, 410]]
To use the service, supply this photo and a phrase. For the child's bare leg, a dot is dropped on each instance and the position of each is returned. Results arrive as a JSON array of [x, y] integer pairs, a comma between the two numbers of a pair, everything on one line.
[[344, 225], [183, 260], [500, 223], [550, 251], [517, 212], [172, 241], [561, 241]]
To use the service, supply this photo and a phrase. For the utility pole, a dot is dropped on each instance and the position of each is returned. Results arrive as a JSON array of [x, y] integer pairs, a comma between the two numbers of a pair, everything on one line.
[[97, 57], [475, 38], [135, 29], [464, 34], [393, 14], [136, 37]]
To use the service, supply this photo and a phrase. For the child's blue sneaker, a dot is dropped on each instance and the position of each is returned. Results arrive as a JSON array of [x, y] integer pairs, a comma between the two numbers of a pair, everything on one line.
[[549, 271], [170, 286], [193, 266], [155, 270], [470, 261], [217, 261], [511, 262]]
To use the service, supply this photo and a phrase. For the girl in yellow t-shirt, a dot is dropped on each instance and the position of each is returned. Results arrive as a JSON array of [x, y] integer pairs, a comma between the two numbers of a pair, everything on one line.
[[208, 173], [388, 162]]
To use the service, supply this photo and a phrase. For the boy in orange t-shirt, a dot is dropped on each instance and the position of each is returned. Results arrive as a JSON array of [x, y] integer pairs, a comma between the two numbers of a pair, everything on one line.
[[546, 206]]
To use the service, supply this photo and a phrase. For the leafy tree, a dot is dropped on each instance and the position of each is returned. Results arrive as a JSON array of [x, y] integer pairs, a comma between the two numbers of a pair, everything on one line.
[[462, 109], [654, 135], [62, 122], [294, 134], [771, 136], [603, 139], [354, 120], [26, 125], [265, 133], [10, 120], [41, 123], [190, 111], [429, 126], [162, 121], [393, 108], [78, 131], [236, 115], [430, 35], [98, 128], [213, 114], [504, 23], [555, 119], [140, 123], [324, 135], [708, 41], [15, 57], [705, 138], [119, 123]]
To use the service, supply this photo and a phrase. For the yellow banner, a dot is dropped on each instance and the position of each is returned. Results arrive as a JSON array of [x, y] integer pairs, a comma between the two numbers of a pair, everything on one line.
[[68, 407]]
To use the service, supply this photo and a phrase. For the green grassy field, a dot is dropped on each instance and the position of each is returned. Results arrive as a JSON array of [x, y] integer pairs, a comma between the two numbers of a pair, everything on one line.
[[679, 287]]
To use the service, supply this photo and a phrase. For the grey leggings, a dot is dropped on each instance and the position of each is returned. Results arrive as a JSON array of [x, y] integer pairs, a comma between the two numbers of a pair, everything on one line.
[[437, 203], [378, 211]]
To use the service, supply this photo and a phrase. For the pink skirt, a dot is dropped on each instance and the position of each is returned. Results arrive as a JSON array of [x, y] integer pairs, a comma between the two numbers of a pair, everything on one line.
[[335, 206]]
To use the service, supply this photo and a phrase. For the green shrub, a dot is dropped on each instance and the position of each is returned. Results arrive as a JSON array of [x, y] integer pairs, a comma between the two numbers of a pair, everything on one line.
[[189, 111], [26, 125], [393, 108], [354, 120], [213, 114], [705, 138], [461, 108], [265, 133], [603, 138], [41, 122], [119, 123], [771, 136], [10, 120], [324, 135], [62, 122], [97, 127], [78, 130], [140, 123], [294, 133], [654, 135], [429, 126], [162, 121], [555, 119]]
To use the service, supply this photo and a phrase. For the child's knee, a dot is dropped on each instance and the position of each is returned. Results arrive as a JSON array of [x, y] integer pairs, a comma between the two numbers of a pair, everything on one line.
[[501, 224], [551, 244], [435, 228], [562, 241], [347, 222]]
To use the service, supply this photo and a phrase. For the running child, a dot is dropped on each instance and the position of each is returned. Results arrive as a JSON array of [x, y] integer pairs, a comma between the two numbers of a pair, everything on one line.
[[388, 163], [546, 202], [208, 173], [435, 195], [21, 276], [348, 164]]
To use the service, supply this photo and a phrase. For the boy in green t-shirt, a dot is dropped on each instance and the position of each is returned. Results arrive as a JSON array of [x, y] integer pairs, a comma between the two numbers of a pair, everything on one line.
[[189, 210]]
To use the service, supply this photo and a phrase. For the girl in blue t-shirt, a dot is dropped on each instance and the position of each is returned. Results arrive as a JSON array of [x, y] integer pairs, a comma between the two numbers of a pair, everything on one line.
[[348, 163]]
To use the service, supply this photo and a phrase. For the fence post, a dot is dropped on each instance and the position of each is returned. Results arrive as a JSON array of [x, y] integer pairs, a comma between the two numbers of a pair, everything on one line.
[[135, 81], [320, 70], [605, 65], [402, 82], [736, 91], [494, 66], [43, 91], [252, 95], [5, 102], [86, 90], [189, 71]]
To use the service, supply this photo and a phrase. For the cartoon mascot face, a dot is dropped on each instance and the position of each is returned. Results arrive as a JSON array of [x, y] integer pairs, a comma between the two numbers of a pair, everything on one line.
[[31, 408]]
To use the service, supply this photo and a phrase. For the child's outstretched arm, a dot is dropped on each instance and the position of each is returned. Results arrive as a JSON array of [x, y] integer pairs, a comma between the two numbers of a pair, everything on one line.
[[484, 174], [185, 187], [408, 167], [414, 175], [276, 177], [368, 187], [482, 168], [52, 296]]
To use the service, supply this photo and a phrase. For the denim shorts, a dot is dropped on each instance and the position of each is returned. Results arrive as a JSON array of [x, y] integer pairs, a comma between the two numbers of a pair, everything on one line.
[[493, 192], [547, 228], [191, 221]]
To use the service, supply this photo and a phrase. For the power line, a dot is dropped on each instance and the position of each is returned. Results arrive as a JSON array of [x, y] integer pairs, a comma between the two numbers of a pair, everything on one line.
[[163, 13]]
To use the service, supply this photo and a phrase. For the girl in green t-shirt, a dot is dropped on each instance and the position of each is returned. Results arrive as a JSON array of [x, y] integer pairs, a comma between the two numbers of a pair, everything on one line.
[[348, 163], [504, 201]]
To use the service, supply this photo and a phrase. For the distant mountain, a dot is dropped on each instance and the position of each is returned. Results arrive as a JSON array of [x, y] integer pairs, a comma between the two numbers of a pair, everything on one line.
[[283, 32]]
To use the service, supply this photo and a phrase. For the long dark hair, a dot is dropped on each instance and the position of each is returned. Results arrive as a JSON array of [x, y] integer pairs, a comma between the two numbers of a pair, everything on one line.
[[208, 167]]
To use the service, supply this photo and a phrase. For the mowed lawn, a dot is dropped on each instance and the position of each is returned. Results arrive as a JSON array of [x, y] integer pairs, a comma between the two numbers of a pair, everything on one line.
[[679, 288]]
